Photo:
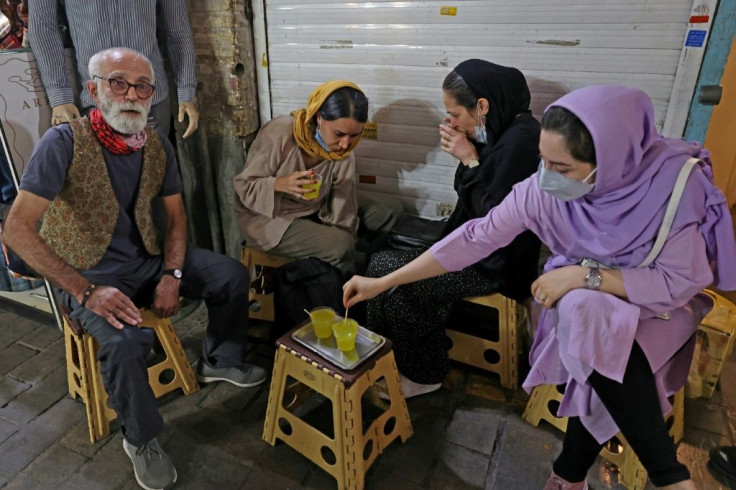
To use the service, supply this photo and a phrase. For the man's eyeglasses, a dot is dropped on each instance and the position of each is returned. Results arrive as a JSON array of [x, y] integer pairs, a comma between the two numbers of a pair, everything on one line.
[[118, 86]]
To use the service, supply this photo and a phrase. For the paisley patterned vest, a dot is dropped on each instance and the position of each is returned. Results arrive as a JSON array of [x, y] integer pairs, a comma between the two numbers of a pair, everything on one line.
[[79, 222]]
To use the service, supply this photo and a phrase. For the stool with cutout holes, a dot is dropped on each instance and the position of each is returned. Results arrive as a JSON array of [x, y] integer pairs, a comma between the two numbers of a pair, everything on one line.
[[261, 267], [501, 356], [350, 450], [85, 378], [713, 346], [545, 401]]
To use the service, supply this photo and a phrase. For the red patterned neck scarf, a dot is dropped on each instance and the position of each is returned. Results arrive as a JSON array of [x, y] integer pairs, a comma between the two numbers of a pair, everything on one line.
[[111, 139]]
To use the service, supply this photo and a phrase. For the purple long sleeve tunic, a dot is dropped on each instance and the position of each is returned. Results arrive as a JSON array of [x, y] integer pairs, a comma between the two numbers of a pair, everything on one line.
[[593, 330]]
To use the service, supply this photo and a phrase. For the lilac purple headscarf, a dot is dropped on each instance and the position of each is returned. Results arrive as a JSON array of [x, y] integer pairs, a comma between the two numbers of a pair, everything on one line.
[[637, 169]]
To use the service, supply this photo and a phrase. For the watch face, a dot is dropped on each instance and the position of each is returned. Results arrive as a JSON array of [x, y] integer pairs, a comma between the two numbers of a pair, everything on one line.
[[593, 280], [174, 272]]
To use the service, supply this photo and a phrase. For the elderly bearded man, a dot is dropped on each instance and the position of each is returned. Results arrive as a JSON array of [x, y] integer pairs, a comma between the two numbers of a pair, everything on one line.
[[95, 182]]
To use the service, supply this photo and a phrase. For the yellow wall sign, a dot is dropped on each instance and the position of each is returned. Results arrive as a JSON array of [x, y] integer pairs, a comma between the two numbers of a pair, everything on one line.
[[370, 131], [448, 11]]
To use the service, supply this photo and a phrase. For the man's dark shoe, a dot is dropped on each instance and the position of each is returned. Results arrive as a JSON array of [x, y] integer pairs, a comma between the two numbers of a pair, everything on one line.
[[245, 375], [152, 466]]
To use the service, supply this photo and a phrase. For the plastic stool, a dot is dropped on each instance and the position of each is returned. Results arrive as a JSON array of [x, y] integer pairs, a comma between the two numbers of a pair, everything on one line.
[[85, 378], [545, 401], [543, 405], [261, 267], [502, 356], [713, 346], [353, 449]]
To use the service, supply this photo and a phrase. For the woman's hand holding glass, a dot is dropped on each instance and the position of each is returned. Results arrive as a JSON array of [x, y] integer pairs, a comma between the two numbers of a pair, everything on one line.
[[293, 182], [456, 143]]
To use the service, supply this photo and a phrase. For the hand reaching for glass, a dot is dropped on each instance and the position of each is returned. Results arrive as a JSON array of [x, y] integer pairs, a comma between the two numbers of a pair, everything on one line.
[[360, 288]]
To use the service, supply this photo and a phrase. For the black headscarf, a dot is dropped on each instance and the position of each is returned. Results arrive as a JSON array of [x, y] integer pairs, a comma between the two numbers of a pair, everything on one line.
[[504, 87], [510, 156]]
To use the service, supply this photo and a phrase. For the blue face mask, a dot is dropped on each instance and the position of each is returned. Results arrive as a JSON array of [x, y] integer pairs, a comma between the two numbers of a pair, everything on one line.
[[318, 137], [562, 187]]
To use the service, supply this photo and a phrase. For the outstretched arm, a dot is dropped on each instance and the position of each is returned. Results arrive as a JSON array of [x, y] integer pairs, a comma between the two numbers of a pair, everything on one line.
[[361, 288], [465, 246], [21, 236]]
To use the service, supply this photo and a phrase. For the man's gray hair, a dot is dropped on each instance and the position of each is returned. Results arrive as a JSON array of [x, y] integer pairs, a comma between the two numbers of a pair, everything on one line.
[[93, 67]]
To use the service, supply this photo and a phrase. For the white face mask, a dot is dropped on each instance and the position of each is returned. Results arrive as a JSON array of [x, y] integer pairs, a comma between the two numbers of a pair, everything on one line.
[[562, 187], [481, 135]]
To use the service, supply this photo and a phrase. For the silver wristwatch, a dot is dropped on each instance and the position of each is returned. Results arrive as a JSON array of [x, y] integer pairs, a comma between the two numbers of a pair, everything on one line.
[[593, 279], [174, 272]]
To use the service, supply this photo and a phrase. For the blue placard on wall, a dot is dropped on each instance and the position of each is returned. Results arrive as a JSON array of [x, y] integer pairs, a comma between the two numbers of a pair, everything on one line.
[[695, 38]]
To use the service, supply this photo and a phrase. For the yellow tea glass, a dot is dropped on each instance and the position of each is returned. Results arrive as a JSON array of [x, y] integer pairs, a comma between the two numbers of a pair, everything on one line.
[[313, 187], [345, 332], [322, 318]]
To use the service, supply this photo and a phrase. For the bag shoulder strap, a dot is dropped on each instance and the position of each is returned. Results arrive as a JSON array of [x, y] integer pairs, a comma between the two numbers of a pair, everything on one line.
[[669, 215]]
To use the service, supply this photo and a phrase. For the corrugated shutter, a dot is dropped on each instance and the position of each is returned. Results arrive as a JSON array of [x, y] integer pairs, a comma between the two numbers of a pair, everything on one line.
[[399, 53]]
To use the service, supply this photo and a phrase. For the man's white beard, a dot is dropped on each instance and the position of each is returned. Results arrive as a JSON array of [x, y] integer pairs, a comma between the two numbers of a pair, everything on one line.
[[124, 123]]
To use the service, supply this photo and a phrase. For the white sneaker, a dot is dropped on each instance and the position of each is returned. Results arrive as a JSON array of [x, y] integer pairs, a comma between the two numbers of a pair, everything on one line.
[[411, 389]]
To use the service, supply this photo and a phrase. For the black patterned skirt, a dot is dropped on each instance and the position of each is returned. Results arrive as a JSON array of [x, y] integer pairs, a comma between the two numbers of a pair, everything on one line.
[[414, 315]]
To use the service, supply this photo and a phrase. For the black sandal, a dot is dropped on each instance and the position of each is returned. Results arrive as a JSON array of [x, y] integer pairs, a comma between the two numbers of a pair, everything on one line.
[[722, 465]]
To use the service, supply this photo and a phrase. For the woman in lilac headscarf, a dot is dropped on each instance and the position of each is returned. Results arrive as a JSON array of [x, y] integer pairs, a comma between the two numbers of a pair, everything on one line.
[[619, 334]]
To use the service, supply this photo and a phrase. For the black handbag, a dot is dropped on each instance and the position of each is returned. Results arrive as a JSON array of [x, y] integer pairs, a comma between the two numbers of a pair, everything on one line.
[[413, 232]]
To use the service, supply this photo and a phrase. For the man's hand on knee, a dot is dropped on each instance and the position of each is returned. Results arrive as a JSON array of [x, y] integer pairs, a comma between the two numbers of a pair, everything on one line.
[[114, 306], [166, 297]]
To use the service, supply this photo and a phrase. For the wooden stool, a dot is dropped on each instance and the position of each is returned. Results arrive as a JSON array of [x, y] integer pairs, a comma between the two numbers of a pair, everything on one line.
[[85, 378], [545, 401], [352, 450], [502, 356], [261, 267]]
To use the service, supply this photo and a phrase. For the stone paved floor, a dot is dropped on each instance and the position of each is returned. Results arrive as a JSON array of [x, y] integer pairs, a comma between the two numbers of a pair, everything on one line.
[[468, 435]]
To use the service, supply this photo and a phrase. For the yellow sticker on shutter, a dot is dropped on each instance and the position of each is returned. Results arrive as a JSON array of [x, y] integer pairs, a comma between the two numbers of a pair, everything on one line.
[[370, 131], [448, 11]]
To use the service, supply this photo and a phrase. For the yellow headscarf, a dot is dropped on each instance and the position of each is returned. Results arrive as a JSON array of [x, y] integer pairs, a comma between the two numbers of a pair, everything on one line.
[[304, 128]]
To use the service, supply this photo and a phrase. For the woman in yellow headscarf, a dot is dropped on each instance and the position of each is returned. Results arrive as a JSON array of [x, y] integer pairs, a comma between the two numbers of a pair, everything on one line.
[[296, 196]]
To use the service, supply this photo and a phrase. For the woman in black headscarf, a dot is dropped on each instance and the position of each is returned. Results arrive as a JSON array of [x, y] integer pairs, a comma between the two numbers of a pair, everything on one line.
[[491, 131]]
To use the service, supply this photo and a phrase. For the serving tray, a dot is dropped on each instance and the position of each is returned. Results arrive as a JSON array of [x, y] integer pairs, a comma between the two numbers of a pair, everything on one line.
[[366, 343]]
